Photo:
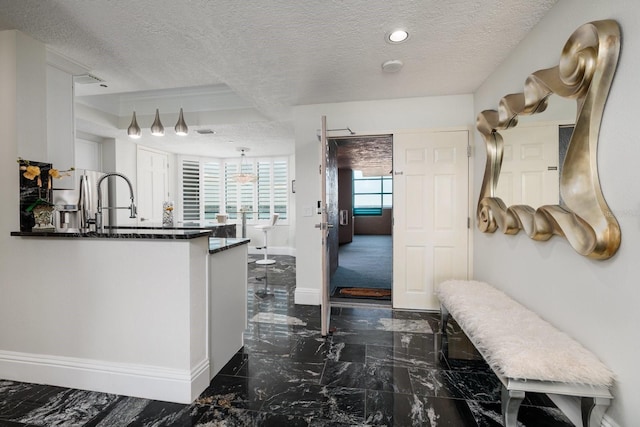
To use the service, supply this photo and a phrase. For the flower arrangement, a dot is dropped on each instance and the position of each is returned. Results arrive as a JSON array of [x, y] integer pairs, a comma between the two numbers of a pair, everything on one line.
[[36, 173], [167, 214]]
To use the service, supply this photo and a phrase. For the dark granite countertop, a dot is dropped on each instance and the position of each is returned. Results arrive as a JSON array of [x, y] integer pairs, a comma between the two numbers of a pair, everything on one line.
[[218, 244], [189, 225], [120, 233]]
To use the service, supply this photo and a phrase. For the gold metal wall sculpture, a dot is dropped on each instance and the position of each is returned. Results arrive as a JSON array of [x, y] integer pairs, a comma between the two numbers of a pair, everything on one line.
[[585, 72]]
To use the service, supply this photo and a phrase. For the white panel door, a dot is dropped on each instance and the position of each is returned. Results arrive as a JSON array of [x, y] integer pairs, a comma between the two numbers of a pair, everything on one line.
[[529, 172], [152, 185], [431, 207]]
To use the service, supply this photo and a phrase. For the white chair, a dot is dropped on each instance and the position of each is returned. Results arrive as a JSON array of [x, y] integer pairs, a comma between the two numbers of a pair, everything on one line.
[[265, 229]]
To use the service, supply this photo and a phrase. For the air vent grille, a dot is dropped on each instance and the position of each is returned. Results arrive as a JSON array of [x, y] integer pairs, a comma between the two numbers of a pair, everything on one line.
[[85, 79]]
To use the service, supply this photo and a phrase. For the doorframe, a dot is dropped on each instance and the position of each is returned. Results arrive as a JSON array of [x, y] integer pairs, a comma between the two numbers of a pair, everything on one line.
[[471, 193], [364, 301]]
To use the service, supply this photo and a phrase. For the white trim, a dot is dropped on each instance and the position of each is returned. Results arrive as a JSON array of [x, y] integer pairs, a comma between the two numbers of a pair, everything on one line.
[[149, 382], [64, 63], [607, 421], [307, 296]]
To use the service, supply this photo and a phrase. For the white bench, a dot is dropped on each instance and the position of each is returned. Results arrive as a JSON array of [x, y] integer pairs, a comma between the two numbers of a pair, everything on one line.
[[526, 353]]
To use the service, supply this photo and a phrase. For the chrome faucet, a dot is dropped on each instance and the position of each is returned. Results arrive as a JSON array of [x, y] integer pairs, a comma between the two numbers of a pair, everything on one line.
[[131, 207]]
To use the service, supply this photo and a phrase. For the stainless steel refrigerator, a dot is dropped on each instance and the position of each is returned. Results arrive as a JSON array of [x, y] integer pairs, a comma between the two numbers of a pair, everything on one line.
[[75, 207]]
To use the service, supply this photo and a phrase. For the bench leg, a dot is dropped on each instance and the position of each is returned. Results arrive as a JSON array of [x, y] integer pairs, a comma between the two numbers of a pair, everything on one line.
[[444, 340], [444, 318], [511, 400], [593, 409]]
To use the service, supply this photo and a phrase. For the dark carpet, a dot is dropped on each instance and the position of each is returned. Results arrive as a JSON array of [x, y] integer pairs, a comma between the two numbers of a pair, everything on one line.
[[364, 263]]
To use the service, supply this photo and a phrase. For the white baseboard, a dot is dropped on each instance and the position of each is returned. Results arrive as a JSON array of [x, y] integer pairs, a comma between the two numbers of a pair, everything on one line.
[[149, 382], [607, 421], [307, 296]]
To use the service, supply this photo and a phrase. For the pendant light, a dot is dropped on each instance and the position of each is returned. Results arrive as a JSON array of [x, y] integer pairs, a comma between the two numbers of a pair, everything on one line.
[[156, 128], [243, 177], [134, 130], [181, 126]]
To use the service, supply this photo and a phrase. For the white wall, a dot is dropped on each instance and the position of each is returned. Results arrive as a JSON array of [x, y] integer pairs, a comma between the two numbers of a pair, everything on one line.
[[23, 132], [9, 182], [126, 163], [594, 301], [365, 118], [24, 60]]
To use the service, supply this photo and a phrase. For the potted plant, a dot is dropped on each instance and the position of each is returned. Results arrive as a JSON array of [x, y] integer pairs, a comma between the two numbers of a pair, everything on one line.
[[36, 200]]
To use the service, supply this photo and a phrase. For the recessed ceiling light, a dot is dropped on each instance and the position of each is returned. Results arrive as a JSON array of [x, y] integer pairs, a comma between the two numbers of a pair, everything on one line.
[[397, 36]]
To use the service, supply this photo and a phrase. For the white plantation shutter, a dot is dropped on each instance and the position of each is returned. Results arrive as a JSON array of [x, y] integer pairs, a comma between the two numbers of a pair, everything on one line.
[[231, 189], [280, 188], [209, 187], [247, 190], [190, 190], [212, 192], [264, 190]]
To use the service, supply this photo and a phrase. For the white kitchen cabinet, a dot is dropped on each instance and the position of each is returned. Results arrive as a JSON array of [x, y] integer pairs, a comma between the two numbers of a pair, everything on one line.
[[227, 304]]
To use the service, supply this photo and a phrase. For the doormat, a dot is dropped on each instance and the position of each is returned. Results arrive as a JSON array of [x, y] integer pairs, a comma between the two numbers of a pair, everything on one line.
[[364, 293]]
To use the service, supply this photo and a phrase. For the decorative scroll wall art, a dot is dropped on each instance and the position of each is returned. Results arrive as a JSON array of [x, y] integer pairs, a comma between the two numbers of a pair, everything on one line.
[[585, 72]]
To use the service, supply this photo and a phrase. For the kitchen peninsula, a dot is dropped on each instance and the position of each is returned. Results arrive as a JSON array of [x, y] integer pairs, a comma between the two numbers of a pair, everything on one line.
[[152, 313]]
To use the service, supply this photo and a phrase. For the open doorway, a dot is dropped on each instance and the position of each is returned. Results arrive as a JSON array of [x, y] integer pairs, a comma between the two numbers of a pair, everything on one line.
[[364, 248]]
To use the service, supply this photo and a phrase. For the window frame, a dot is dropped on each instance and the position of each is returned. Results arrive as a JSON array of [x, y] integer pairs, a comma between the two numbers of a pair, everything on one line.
[[372, 211]]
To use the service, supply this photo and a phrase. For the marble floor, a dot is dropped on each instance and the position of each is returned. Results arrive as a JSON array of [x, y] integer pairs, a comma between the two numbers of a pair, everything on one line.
[[380, 368]]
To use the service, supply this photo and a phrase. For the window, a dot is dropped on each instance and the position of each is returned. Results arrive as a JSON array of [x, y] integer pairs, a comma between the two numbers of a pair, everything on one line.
[[230, 190], [371, 194], [211, 189], [280, 188], [190, 190], [264, 190], [273, 189], [212, 181]]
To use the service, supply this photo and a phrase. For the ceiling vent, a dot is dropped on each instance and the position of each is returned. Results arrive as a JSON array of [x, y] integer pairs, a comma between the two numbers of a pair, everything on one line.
[[86, 79], [205, 131]]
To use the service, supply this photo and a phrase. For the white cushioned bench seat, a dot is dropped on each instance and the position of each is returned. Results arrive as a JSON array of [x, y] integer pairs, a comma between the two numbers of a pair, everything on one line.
[[526, 352]]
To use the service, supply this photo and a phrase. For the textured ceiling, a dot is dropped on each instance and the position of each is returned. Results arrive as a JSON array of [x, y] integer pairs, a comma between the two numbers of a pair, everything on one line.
[[276, 54], [373, 155]]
